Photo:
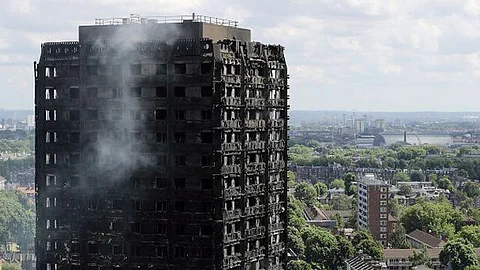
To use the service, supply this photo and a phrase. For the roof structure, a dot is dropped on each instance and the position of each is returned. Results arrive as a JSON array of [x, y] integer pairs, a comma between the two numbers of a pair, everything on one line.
[[426, 239]]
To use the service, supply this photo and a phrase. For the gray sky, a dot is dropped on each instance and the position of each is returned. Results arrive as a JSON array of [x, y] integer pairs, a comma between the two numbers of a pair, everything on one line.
[[389, 55]]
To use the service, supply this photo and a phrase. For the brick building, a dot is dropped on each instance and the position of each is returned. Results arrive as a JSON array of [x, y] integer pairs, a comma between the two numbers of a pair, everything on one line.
[[372, 206], [161, 144]]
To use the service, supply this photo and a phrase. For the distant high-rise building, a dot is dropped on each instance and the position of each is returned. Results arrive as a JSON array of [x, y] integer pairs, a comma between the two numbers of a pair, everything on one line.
[[359, 125], [161, 145], [372, 207], [379, 123], [30, 121]]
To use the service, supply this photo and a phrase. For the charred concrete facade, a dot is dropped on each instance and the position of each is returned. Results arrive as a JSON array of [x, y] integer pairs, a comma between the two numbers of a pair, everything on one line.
[[161, 146]]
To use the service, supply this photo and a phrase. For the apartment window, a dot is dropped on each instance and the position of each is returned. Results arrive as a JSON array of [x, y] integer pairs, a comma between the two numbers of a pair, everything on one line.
[[206, 230], [92, 92], [50, 115], [161, 69], [92, 114], [383, 202], [180, 206], [74, 159], [117, 204], [383, 222], [179, 182], [135, 137], [207, 183], [50, 137], [50, 180], [135, 227], [117, 249], [92, 70], [50, 159], [206, 68], [73, 92], [206, 253], [383, 236], [51, 266], [161, 160], [161, 252], [179, 91], [92, 136], [136, 69], [117, 114], [383, 189], [207, 137], [206, 114], [180, 160], [161, 91], [51, 72], [74, 137], [135, 92], [161, 114], [180, 229], [206, 161], [161, 228], [179, 115], [207, 91], [206, 207], [117, 92], [179, 137], [383, 209], [180, 68], [383, 229], [383, 216], [135, 115], [161, 137], [161, 206], [74, 181], [383, 196], [160, 182], [74, 115], [51, 93]]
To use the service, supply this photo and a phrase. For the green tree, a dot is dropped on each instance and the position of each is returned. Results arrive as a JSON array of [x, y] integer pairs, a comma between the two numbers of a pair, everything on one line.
[[298, 265], [398, 238], [433, 178], [470, 233], [417, 176], [401, 177], [445, 183], [295, 241], [471, 189], [345, 250], [342, 202], [11, 266], [349, 179], [321, 189], [291, 178], [419, 258], [338, 183], [459, 254], [371, 248], [320, 246], [306, 193], [405, 190]]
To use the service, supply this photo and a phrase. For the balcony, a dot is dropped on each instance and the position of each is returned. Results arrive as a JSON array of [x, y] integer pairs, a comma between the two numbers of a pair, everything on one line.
[[255, 80], [256, 145], [276, 227], [276, 123], [231, 237], [256, 167], [276, 102], [231, 147], [276, 144], [255, 102], [231, 192], [276, 186], [255, 124], [235, 124], [257, 231], [232, 261], [255, 188], [254, 210], [231, 79], [276, 207], [232, 214], [231, 101], [231, 169], [276, 165], [252, 254], [277, 248]]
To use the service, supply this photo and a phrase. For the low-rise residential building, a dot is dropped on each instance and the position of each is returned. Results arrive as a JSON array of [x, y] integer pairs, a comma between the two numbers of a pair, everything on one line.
[[420, 239]]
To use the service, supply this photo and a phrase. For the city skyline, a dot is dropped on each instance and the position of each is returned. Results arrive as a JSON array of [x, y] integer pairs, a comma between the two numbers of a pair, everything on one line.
[[343, 55]]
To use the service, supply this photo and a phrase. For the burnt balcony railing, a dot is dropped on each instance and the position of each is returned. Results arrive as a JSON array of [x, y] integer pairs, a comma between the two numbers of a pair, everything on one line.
[[255, 145], [276, 186], [232, 101], [255, 80], [234, 191], [231, 237], [251, 254], [255, 188], [255, 102], [276, 144], [255, 124], [236, 146], [231, 124], [277, 248], [232, 260], [276, 165], [232, 214], [276, 102], [256, 167], [276, 123], [255, 231], [276, 227], [233, 79], [231, 169], [254, 210], [276, 207]]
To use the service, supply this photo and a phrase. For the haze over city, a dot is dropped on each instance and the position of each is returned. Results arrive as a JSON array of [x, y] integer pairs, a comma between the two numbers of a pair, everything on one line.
[[371, 55]]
